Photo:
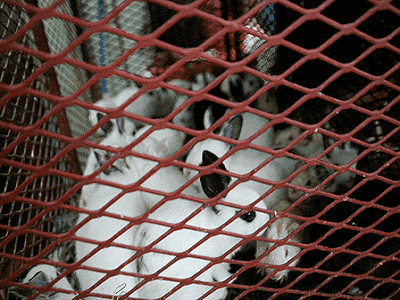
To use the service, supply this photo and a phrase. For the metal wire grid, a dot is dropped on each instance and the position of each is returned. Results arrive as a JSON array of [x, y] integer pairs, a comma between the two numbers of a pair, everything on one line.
[[60, 34], [106, 47], [34, 150], [319, 277]]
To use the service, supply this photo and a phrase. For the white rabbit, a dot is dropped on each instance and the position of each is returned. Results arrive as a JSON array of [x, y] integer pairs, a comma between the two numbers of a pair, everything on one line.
[[283, 254], [160, 143], [113, 102], [102, 228], [42, 275], [247, 128], [118, 136], [181, 240], [243, 161], [252, 123], [130, 204]]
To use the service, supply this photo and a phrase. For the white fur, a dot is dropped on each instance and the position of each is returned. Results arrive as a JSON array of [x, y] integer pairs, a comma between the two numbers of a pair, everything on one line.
[[282, 254], [144, 104], [36, 275], [102, 228], [114, 139], [181, 240], [243, 161], [160, 143], [252, 123]]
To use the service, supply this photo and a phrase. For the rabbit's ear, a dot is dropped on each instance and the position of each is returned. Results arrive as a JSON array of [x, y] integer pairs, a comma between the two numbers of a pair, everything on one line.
[[106, 126], [233, 127], [121, 125], [99, 157], [39, 279], [102, 159], [209, 118], [213, 184]]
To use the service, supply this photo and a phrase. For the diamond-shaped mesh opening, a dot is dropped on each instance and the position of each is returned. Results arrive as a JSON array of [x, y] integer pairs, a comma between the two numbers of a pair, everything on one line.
[[380, 24], [199, 149], [347, 48], [379, 62], [309, 29], [177, 34], [349, 15], [346, 86], [313, 78], [287, 16]]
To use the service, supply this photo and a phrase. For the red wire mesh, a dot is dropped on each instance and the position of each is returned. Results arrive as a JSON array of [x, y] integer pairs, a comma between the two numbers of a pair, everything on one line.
[[328, 54], [23, 220]]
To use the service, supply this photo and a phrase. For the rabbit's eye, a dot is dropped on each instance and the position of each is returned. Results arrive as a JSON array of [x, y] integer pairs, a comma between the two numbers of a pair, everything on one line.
[[248, 217]]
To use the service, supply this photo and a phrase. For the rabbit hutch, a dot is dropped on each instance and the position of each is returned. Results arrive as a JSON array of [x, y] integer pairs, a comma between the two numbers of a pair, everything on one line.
[[248, 149]]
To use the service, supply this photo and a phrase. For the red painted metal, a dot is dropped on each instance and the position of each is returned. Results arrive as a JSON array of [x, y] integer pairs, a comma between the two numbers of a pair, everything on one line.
[[379, 161]]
